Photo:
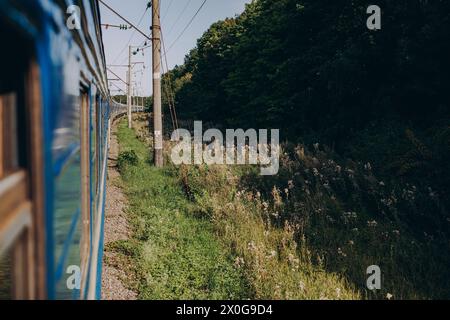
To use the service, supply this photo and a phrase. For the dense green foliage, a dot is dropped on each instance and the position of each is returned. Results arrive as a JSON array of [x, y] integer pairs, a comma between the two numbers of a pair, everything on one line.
[[312, 65], [313, 69]]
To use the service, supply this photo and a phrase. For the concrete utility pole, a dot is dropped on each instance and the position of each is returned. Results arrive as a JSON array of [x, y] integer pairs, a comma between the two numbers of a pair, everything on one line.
[[157, 116], [129, 88]]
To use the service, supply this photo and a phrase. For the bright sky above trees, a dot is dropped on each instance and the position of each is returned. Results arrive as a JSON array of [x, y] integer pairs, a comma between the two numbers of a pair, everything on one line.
[[115, 40]]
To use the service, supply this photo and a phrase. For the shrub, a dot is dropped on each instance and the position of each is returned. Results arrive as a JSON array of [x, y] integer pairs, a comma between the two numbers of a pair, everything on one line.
[[127, 158]]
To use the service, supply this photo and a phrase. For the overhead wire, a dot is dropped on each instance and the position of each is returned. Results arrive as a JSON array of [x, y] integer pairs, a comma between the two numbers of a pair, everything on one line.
[[179, 17], [171, 95], [135, 29], [167, 10], [187, 26]]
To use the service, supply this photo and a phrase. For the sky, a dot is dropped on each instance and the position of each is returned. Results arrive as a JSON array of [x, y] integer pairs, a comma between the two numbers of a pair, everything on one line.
[[175, 15]]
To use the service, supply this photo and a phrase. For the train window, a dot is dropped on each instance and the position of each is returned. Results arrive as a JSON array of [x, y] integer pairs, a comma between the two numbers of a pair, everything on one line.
[[22, 223], [85, 184], [14, 219], [15, 210]]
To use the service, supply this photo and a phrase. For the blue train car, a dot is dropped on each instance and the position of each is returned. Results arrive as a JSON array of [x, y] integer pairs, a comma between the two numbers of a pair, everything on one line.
[[54, 127]]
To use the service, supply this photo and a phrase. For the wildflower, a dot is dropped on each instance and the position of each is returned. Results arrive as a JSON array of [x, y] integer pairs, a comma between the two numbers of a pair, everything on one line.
[[372, 224], [251, 246], [258, 195], [276, 196], [316, 172], [338, 292], [291, 184], [351, 242], [350, 215], [301, 286], [389, 296], [341, 253], [316, 146], [239, 262], [338, 169], [382, 183], [368, 166], [396, 232], [355, 229], [300, 152]]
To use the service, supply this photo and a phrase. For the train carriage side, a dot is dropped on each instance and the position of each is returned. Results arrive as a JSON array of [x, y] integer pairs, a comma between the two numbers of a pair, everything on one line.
[[54, 112]]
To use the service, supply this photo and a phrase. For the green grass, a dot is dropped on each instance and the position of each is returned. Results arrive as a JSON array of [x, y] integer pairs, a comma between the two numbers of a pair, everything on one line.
[[193, 239], [174, 254]]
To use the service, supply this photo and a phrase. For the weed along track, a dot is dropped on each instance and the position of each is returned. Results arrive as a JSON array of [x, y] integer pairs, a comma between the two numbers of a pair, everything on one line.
[[193, 239], [174, 254]]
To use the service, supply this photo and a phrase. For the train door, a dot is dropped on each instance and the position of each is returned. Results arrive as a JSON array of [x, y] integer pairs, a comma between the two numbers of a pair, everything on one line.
[[22, 236]]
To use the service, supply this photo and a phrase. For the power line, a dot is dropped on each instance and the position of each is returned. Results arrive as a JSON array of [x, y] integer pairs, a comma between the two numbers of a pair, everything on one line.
[[179, 17], [187, 26], [131, 37], [167, 10], [170, 94], [120, 89], [116, 75], [127, 21]]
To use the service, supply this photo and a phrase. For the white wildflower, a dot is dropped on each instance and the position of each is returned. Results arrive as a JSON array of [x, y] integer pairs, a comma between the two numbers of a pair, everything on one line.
[[301, 286], [372, 224], [291, 184], [251, 246]]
